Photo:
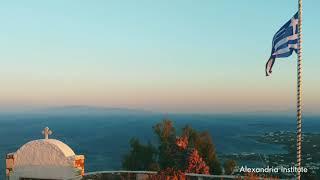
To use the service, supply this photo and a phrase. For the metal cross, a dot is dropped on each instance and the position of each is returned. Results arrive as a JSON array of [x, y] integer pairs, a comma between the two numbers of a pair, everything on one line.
[[46, 132]]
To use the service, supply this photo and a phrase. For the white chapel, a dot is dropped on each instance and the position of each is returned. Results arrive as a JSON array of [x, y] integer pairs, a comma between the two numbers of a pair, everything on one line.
[[45, 159]]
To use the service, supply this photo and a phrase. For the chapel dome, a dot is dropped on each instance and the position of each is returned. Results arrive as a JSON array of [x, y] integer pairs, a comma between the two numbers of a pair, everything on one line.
[[44, 159], [44, 151]]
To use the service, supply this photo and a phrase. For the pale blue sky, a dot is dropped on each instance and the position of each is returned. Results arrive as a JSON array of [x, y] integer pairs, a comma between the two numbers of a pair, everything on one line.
[[200, 56]]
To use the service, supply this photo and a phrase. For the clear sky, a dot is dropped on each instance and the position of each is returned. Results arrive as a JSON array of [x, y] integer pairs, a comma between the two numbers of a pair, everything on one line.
[[169, 56]]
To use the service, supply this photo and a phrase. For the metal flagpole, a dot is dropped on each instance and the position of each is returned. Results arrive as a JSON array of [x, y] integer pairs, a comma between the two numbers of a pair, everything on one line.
[[299, 90]]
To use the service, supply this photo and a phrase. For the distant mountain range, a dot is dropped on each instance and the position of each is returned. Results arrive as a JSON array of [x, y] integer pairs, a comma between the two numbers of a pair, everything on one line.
[[99, 110]]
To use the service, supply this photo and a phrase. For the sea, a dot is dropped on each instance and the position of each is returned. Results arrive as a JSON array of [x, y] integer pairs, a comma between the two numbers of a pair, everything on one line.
[[104, 138]]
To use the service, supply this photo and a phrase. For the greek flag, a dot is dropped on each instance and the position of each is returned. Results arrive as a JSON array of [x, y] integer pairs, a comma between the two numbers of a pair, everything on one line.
[[284, 42]]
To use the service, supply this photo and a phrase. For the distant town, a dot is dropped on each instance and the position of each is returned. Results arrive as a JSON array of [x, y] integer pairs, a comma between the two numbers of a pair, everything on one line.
[[284, 161]]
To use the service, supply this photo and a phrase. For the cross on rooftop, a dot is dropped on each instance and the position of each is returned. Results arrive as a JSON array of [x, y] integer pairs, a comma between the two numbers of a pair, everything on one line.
[[46, 132]]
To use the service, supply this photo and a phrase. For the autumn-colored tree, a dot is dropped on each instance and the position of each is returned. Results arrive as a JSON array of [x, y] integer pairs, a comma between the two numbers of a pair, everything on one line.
[[182, 142], [196, 164], [192, 152], [203, 143]]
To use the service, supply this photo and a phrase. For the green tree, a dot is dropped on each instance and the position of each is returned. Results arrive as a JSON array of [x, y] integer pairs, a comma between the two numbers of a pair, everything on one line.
[[141, 157], [229, 166], [168, 154], [166, 135]]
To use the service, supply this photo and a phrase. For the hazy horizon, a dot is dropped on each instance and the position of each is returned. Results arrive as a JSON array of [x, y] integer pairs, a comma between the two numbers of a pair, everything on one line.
[[108, 110]]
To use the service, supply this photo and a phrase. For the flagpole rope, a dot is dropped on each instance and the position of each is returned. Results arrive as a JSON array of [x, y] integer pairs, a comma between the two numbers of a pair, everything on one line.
[[299, 91]]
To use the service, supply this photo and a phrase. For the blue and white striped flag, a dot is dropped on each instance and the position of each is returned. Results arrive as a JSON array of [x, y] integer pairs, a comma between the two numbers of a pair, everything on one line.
[[284, 42]]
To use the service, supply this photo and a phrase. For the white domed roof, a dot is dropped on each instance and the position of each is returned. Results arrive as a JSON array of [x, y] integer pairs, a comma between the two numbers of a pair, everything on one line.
[[67, 151], [44, 152]]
